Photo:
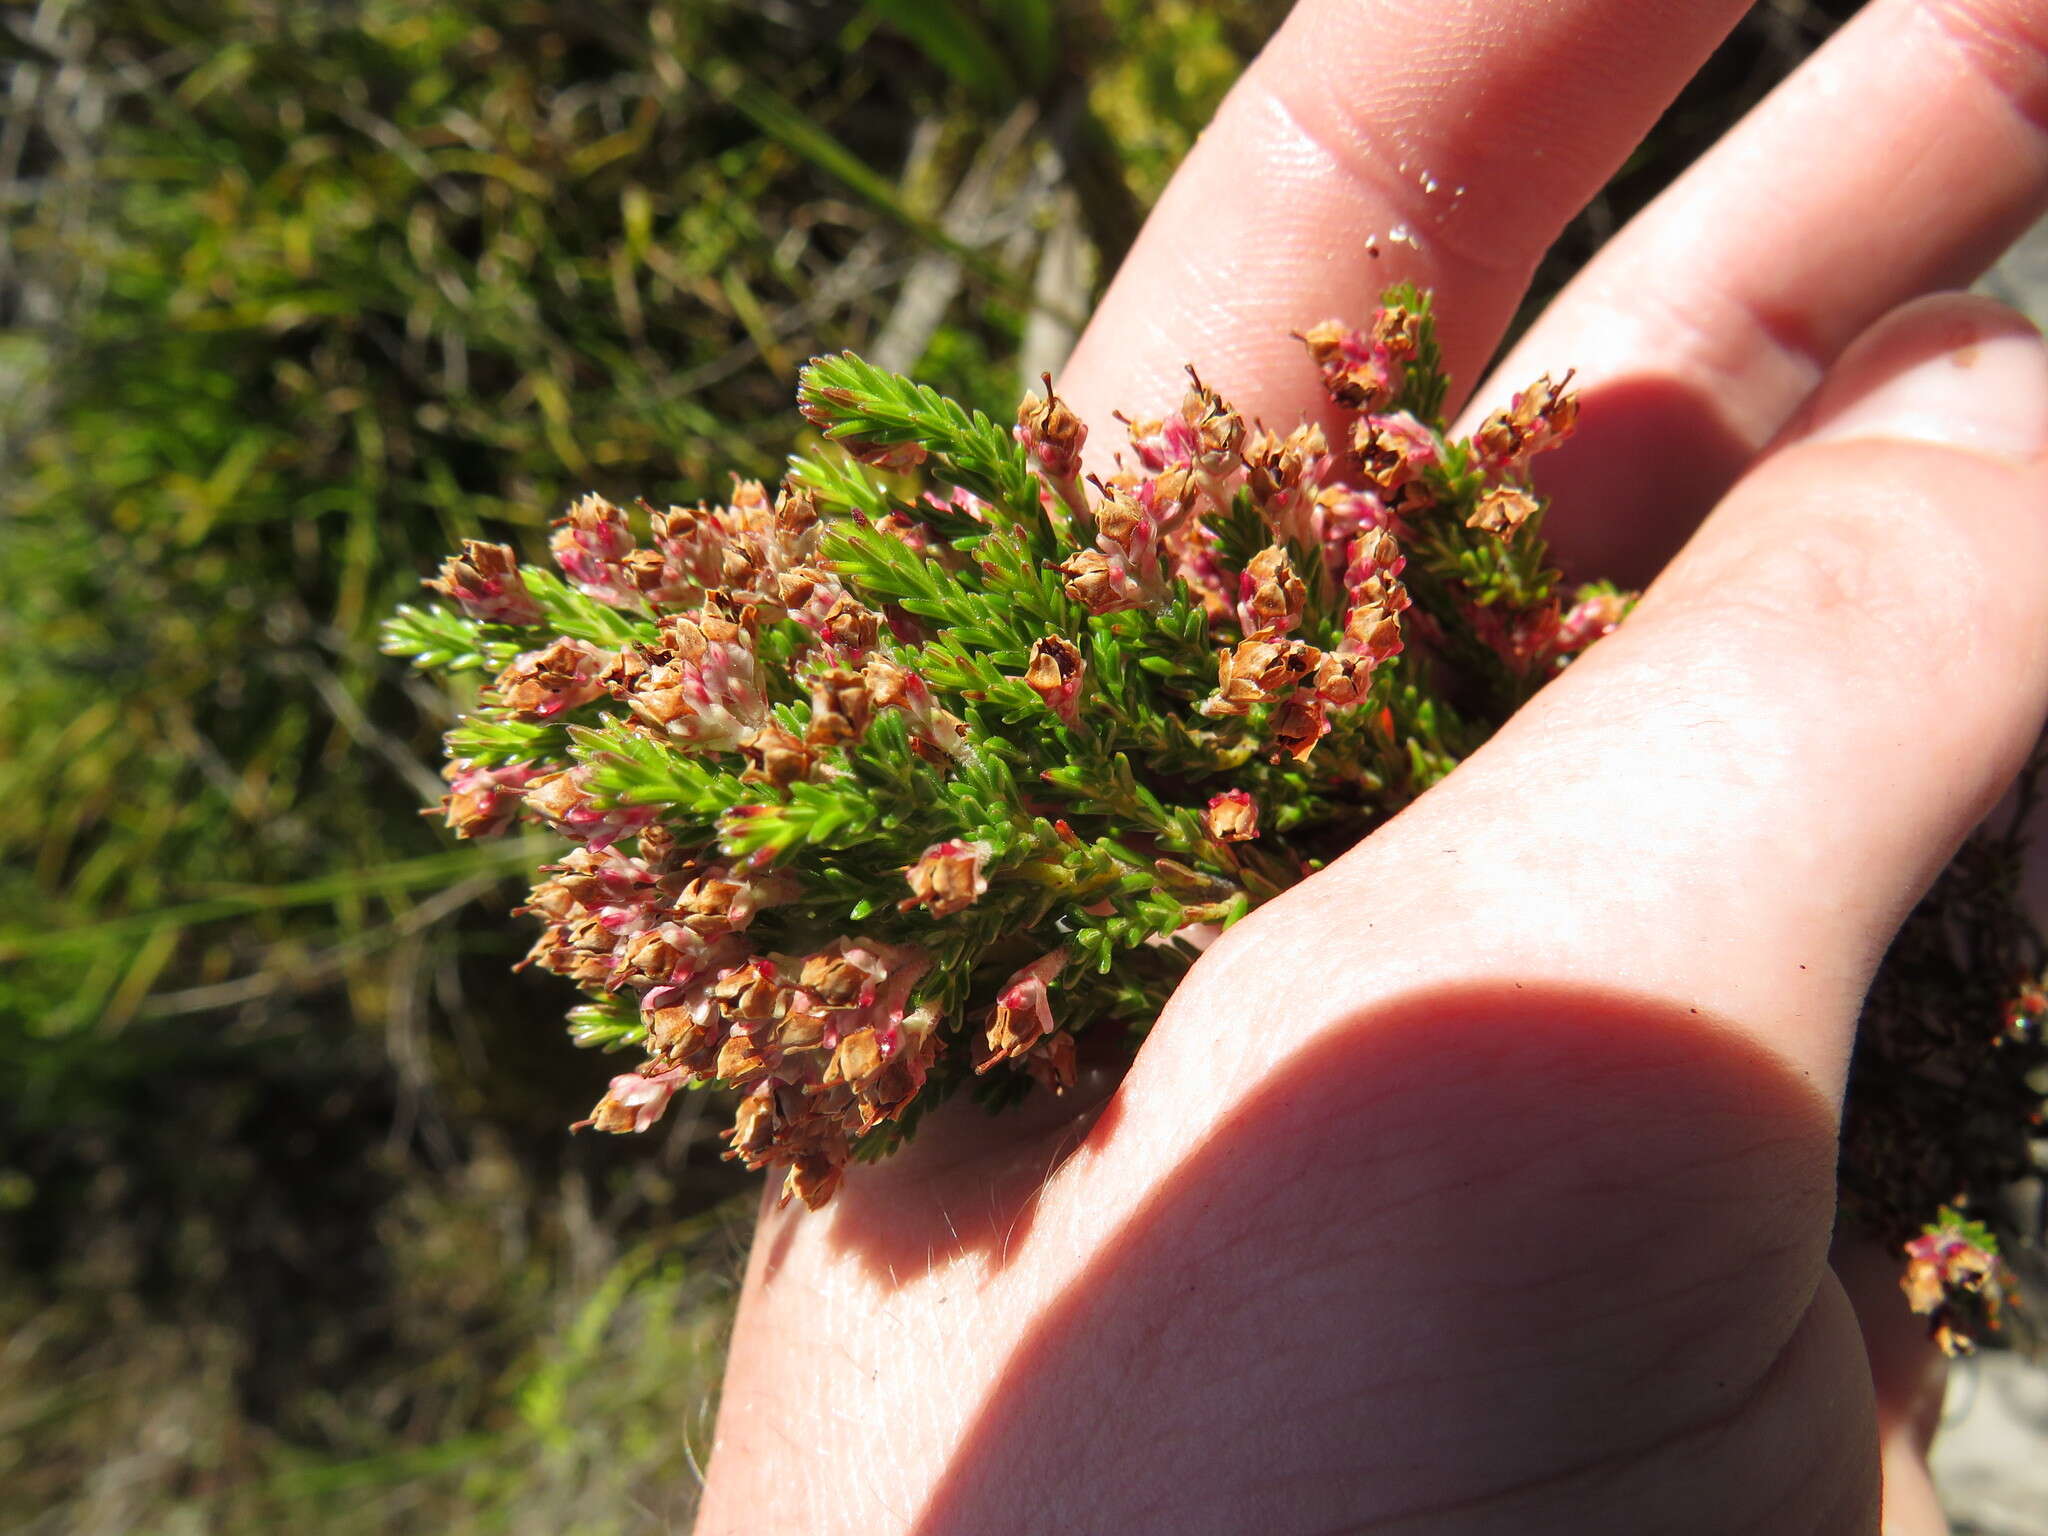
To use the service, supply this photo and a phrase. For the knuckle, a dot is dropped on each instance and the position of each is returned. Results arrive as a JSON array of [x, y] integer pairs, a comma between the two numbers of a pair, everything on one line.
[[2002, 42], [1881, 576]]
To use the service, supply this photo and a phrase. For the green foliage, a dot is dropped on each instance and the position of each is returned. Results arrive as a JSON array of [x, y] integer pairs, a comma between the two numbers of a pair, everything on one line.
[[490, 743], [955, 40], [610, 1025], [441, 640], [1186, 58], [839, 484], [543, 1396], [1424, 384], [854, 402]]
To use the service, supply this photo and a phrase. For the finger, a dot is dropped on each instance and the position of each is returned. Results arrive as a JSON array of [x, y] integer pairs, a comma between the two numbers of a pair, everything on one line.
[[1907, 1374], [1903, 157], [1455, 138]]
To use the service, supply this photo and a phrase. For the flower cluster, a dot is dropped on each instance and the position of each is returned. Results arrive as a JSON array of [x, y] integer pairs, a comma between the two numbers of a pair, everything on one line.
[[1956, 1280], [877, 787]]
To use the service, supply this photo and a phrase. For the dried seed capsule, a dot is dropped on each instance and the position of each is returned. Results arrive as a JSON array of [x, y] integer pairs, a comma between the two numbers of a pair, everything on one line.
[[1258, 672], [1270, 595], [543, 684], [1099, 583], [1051, 433], [1298, 724], [1344, 678], [1218, 430], [486, 582], [1502, 510], [841, 708], [775, 756], [1539, 418], [1232, 817], [1054, 674], [948, 877]]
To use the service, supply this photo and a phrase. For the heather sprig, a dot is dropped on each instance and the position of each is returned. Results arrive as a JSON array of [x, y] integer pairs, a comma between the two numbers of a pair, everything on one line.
[[914, 773], [923, 771], [879, 787]]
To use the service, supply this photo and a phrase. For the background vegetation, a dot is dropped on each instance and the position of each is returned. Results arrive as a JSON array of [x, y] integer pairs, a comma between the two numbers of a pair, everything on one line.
[[292, 297]]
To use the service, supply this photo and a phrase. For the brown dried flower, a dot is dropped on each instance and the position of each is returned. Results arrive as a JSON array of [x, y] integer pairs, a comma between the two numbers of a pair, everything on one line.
[[1098, 583], [949, 877], [1219, 432], [1023, 1013], [1053, 434], [1298, 724], [841, 708], [543, 684], [1271, 595], [1232, 817], [1258, 672], [1054, 674], [485, 580], [1502, 510], [775, 756], [850, 626], [1539, 418], [1344, 678]]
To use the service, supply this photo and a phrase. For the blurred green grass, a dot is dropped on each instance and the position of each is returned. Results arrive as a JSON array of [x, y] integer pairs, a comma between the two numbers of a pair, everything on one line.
[[291, 298]]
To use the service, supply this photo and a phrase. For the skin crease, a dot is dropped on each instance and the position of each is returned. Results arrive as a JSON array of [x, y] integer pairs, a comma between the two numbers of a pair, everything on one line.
[[1484, 1182]]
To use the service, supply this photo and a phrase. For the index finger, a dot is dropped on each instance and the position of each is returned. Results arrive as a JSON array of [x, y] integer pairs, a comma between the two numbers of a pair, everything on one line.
[[1373, 142]]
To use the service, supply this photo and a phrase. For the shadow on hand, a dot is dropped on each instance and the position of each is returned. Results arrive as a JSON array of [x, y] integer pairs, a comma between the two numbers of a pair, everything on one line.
[[967, 1185], [1649, 461], [1502, 1260]]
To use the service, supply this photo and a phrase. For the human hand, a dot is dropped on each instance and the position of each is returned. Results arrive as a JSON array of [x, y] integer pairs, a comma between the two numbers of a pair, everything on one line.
[[1484, 1182]]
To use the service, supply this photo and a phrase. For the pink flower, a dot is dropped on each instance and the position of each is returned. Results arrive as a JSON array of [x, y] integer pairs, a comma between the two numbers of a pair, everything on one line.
[[1590, 619], [957, 500], [1023, 1011], [948, 877], [634, 1102], [1159, 444], [482, 802], [564, 801], [1232, 817], [590, 545], [485, 582]]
